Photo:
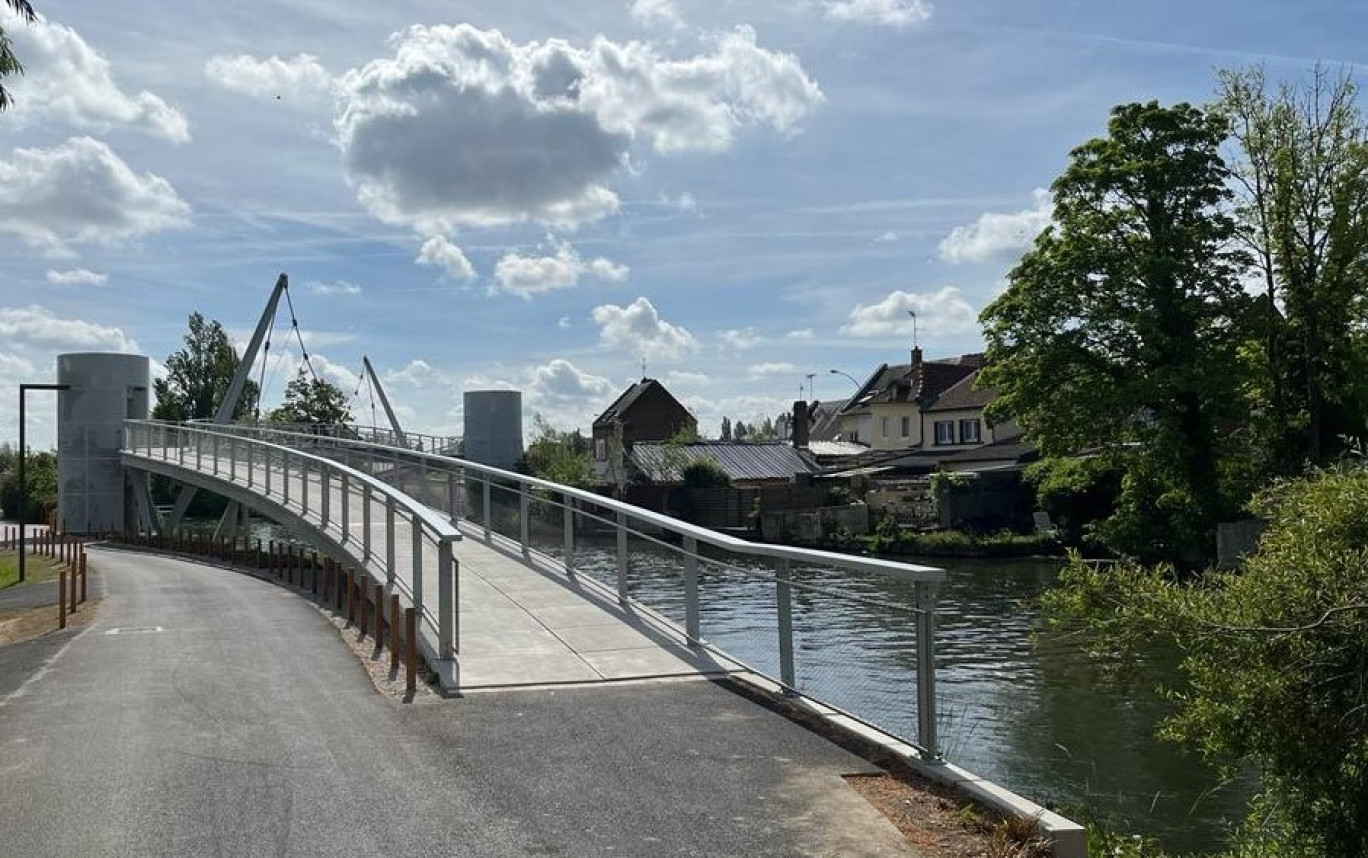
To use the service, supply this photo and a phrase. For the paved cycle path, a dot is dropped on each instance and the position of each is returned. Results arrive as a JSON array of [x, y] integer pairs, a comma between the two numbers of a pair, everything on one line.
[[207, 712]]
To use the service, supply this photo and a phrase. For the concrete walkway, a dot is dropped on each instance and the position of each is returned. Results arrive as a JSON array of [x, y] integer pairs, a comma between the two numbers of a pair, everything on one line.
[[521, 621], [207, 712]]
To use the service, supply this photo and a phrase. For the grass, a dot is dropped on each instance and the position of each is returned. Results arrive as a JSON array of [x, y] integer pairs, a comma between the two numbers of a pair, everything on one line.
[[36, 568]]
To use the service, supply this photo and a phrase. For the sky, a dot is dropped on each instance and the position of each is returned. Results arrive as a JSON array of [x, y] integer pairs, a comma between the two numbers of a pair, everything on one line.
[[739, 196]]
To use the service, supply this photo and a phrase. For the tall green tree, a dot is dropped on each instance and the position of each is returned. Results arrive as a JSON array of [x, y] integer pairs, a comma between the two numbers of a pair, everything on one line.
[[198, 376], [9, 63], [1302, 178], [1116, 331], [313, 401], [556, 455]]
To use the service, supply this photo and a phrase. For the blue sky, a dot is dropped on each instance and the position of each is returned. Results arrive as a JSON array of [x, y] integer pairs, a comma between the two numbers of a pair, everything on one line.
[[542, 196]]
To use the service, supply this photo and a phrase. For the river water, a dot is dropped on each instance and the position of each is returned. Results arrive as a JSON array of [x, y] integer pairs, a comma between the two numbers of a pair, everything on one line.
[[1025, 710]]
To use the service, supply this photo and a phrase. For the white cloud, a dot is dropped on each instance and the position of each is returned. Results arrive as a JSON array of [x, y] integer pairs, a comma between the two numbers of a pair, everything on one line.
[[37, 327], [68, 81], [687, 379], [941, 312], [800, 334], [526, 276], [656, 13], [638, 328], [543, 127], [273, 77], [888, 13], [564, 323], [887, 237], [439, 251], [560, 383], [77, 276], [773, 368], [81, 192], [995, 234], [685, 202], [740, 338], [341, 287]]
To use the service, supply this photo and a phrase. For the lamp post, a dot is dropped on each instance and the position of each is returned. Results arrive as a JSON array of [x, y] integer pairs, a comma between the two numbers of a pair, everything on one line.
[[809, 379], [847, 376], [23, 454]]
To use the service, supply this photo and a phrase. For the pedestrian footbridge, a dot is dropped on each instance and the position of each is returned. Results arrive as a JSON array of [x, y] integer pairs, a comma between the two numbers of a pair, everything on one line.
[[517, 581]]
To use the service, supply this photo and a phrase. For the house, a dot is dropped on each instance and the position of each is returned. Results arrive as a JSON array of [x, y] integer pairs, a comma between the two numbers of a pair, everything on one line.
[[646, 411], [954, 420], [887, 412]]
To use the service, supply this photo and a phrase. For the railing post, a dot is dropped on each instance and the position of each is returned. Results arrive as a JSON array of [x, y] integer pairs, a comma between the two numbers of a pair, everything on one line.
[[416, 546], [304, 485], [623, 563], [448, 569], [783, 592], [232, 460], [926, 667], [266, 464], [325, 501], [389, 540], [488, 513], [692, 635], [568, 511], [214, 449], [181, 441], [346, 507], [453, 503], [524, 519], [199, 451], [366, 522], [251, 461], [285, 476]]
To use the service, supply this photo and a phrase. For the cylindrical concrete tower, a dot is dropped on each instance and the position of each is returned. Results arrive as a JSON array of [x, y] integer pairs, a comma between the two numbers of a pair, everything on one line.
[[493, 427], [105, 390]]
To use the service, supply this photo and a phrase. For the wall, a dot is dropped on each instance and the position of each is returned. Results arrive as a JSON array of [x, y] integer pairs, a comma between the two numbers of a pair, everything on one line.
[[814, 525]]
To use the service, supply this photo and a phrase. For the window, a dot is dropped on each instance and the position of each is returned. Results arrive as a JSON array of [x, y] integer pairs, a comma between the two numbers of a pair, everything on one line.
[[945, 431], [883, 423], [906, 426], [601, 449], [969, 431]]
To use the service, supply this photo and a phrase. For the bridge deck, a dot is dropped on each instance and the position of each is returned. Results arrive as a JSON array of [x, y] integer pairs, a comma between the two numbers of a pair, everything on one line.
[[521, 621]]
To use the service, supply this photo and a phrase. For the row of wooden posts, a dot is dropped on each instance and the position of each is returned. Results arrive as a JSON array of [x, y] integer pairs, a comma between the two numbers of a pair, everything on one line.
[[70, 551], [346, 589]]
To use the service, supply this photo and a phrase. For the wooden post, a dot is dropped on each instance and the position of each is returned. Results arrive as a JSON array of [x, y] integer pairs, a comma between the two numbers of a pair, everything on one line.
[[411, 650], [379, 613], [61, 598], [351, 603], [83, 575], [394, 632], [313, 573], [71, 597], [361, 594]]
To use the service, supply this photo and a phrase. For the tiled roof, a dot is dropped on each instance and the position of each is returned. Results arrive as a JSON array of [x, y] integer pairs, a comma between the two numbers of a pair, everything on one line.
[[624, 402], [963, 394], [664, 463], [906, 382]]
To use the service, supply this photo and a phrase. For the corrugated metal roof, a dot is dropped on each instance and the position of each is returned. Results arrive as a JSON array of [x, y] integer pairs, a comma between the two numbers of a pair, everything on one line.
[[665, 463], [836, 448]]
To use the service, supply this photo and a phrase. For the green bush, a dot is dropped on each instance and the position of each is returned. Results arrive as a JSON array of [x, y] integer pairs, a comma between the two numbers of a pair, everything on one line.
[[40, 499], [1275, 657], [705, 474]]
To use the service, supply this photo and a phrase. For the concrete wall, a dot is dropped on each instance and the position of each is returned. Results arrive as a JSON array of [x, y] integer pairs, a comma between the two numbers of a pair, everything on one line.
[[105, 389]]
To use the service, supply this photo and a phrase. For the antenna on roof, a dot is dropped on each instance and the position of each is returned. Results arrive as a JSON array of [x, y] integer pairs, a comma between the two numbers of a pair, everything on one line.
[[911, 313], [643, 369]]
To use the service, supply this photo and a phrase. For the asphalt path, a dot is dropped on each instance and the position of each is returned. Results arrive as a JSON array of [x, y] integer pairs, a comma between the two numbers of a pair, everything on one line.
[[245, 726]]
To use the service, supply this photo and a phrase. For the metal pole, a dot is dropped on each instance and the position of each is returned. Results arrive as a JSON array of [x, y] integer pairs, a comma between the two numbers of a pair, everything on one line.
[[23, 456], [416, 546], [622, 559], [926, 667], [783, 593], [365, 522], [488, 528], [691, 623], [325, 502], [389, 539], [524, 519], [568, 511], [346, 507], [448, 568]]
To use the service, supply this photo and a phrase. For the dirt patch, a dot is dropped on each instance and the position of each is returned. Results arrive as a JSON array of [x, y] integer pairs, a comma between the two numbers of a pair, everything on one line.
[[16, 626], [940, 823]]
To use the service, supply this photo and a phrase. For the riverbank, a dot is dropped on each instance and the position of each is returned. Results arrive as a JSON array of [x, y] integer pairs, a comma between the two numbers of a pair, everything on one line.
[[895, 542]]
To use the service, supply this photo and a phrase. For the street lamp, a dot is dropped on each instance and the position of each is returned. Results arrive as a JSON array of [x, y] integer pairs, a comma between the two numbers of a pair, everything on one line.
[[847, 375], [23, 454], [809, 378]]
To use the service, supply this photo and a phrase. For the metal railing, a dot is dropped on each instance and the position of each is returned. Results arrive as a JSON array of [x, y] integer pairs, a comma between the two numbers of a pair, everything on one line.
[[399, 540], [617, 542], [446, 445]]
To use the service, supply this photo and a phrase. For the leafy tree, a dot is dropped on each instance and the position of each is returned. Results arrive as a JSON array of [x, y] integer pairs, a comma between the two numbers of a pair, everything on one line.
[[1302, 175], [726, 434], [1274, 659], [9, 63], [704, 473], [558, 456], [40, 483], [766, 431], [1116, 331], [198, 376], [313, 401], [740, 431]]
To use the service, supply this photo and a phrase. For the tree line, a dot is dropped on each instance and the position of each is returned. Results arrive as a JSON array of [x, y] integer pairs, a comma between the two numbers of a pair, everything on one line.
[[1186, 344]]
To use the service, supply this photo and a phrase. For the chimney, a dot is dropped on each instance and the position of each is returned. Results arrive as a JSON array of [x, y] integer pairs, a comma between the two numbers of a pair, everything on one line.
[[916, 356], [800, 424]]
